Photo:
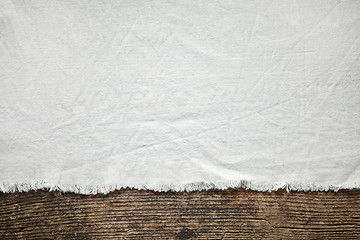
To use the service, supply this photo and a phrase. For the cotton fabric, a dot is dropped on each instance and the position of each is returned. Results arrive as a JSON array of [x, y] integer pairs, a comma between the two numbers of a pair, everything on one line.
[[182, 95]]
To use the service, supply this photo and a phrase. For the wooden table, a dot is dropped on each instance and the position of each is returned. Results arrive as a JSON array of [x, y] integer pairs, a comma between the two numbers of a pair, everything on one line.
[[231, 214]]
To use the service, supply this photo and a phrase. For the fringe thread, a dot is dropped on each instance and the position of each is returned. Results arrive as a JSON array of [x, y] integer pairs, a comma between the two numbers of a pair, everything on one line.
[[104, 189]]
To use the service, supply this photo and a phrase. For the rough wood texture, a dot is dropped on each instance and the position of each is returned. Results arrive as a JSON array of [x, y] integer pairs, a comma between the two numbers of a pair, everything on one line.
[[232, 214]]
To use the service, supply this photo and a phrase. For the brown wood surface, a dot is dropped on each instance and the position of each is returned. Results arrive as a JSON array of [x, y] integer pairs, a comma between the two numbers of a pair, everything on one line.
[[231, 214]]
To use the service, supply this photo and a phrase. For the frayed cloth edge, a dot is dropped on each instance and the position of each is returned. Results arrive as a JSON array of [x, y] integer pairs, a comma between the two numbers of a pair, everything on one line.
[[188, 187]]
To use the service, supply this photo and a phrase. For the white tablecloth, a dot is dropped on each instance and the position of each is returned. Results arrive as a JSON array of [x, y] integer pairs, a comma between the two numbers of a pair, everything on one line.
[[179, 94]]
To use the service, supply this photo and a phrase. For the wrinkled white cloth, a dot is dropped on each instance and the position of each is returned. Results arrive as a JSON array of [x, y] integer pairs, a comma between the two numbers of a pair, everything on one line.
[[179, 94]]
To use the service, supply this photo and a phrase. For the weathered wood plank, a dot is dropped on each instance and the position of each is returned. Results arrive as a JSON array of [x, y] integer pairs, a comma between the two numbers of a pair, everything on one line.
[[133, 214]]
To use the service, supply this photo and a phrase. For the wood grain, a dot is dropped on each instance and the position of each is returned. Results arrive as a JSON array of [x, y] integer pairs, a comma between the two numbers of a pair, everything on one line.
[[133, 214]]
